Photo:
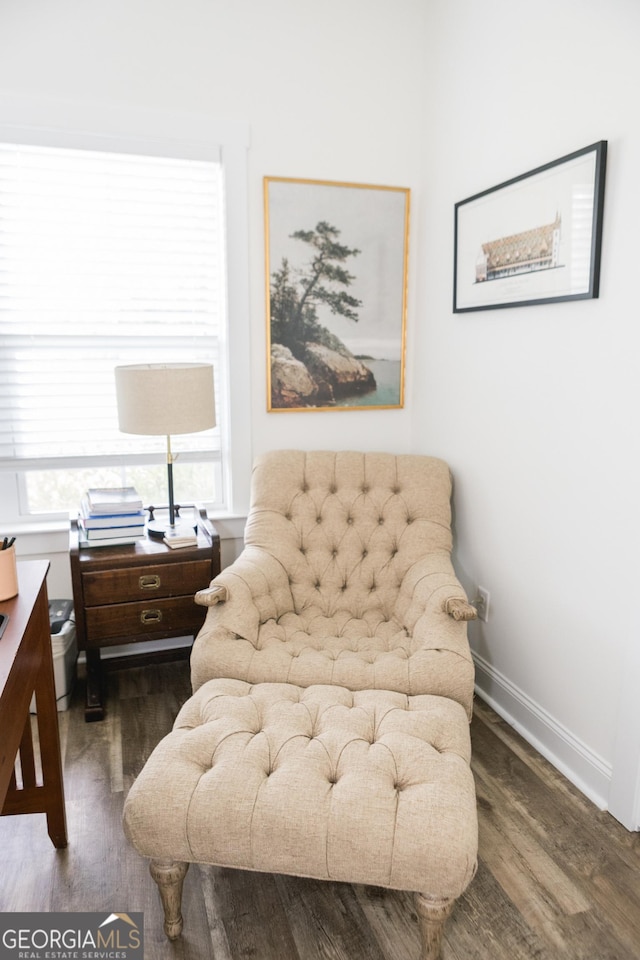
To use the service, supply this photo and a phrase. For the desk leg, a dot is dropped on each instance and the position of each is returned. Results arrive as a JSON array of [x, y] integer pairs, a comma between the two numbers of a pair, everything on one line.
[[94, 708], [48, 732]]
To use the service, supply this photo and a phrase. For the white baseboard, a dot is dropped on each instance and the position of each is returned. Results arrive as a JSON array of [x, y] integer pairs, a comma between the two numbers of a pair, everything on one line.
[[580, 765]]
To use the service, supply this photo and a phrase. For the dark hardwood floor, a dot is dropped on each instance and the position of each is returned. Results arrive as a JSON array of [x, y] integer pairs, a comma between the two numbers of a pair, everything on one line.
[[557, 879]]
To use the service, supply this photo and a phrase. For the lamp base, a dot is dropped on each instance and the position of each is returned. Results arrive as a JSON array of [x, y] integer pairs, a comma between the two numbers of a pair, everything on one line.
[[159, 529]]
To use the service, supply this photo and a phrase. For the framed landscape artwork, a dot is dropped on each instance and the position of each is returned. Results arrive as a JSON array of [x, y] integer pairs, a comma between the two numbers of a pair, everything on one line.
[[534, 239], [336, 291]]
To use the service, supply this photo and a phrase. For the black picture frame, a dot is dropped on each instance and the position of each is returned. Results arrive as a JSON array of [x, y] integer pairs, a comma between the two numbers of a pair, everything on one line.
[[536, 238]]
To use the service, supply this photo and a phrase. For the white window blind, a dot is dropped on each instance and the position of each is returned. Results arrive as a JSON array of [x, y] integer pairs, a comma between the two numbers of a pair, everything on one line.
[[105, 259]]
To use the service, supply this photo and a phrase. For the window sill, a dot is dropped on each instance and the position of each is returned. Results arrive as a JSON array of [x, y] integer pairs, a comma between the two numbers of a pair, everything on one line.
[[52, 536]]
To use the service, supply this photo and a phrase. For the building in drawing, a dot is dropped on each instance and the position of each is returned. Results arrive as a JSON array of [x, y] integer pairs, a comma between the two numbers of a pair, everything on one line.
[[536, 249]]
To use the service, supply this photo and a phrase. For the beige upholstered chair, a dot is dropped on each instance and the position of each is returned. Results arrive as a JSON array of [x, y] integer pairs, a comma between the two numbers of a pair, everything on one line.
[[346, 579], [328, 732]]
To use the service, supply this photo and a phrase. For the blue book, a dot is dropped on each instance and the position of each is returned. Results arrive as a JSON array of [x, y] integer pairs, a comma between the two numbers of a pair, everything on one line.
[[93, 521], [117, 530]]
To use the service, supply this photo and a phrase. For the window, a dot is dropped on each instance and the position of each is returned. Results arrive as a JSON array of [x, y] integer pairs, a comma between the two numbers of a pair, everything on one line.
[[105, 258]]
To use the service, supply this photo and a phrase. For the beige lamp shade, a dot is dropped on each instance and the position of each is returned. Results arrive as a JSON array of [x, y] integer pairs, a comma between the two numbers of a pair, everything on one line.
[[165, 398]]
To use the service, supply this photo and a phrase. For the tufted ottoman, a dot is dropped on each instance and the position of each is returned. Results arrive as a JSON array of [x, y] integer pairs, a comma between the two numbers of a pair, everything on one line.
[[370, 787]]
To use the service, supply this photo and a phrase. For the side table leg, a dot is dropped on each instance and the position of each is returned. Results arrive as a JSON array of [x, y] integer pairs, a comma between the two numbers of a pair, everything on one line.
[[94, 708]]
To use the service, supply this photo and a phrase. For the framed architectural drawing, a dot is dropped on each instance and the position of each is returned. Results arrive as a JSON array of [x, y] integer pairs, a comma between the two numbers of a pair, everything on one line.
[[534, 239], [336, 293]]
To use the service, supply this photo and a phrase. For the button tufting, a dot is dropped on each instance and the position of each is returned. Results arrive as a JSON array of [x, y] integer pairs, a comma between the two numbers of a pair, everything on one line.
[[334, 553], [318, 519], [395, 489], [364, 488], [349, 520], [333, 488], [380, 520], [365, 553], [317, 584]]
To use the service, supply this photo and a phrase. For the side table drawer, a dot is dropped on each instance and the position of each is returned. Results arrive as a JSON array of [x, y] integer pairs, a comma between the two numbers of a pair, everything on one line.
[[140, 583], [108, 625]]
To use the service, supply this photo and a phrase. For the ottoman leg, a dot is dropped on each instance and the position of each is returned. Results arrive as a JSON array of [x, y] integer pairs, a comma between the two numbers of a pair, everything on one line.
[[432, 915], [169, 876]]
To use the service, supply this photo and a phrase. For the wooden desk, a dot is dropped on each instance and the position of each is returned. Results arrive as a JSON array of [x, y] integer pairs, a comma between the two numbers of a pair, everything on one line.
[[26, 666]]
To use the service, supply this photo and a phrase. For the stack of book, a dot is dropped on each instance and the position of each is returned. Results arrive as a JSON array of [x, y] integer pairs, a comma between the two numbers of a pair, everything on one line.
[[109, 516]]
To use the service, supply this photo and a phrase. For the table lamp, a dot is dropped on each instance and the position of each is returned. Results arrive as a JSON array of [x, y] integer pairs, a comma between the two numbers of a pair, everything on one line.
[[161, 399]]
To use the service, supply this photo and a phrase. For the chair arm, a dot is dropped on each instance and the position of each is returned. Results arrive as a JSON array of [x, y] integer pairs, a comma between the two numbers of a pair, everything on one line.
[[245, 594], [433, 609], [252, 590], [208, 597], [431, 587], [460, 609]]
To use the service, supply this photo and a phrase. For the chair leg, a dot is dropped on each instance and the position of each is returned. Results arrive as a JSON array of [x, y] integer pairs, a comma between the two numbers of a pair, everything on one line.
[[432, 916], [169, 876]]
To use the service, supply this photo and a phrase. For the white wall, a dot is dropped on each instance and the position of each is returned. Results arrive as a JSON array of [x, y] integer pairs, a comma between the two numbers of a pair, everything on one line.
[[532, 407], [535, 407], [331, 91], [328, 92]]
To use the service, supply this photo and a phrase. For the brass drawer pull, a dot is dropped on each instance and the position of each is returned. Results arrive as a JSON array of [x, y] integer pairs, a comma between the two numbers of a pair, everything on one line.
[[149, 582], [150, 616]]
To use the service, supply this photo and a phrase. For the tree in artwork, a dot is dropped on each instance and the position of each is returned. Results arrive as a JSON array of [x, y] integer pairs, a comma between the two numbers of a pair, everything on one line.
[[297, 295]]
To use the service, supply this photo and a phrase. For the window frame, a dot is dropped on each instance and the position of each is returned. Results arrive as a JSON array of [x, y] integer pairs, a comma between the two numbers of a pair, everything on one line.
[[228, 144]]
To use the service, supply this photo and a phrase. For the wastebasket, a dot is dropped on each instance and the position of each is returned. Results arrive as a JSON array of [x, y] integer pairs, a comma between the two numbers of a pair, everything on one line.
[[64, 649]]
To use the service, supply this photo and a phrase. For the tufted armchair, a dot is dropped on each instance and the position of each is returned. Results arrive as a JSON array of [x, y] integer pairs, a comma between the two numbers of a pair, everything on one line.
[[345, 579], [328, 732]]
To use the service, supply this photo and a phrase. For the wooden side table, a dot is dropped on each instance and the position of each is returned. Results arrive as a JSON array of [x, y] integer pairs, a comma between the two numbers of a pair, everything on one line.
[[137, 592]]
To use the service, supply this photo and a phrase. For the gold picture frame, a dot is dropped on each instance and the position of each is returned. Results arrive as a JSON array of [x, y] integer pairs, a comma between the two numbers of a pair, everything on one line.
[[336, 294]]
